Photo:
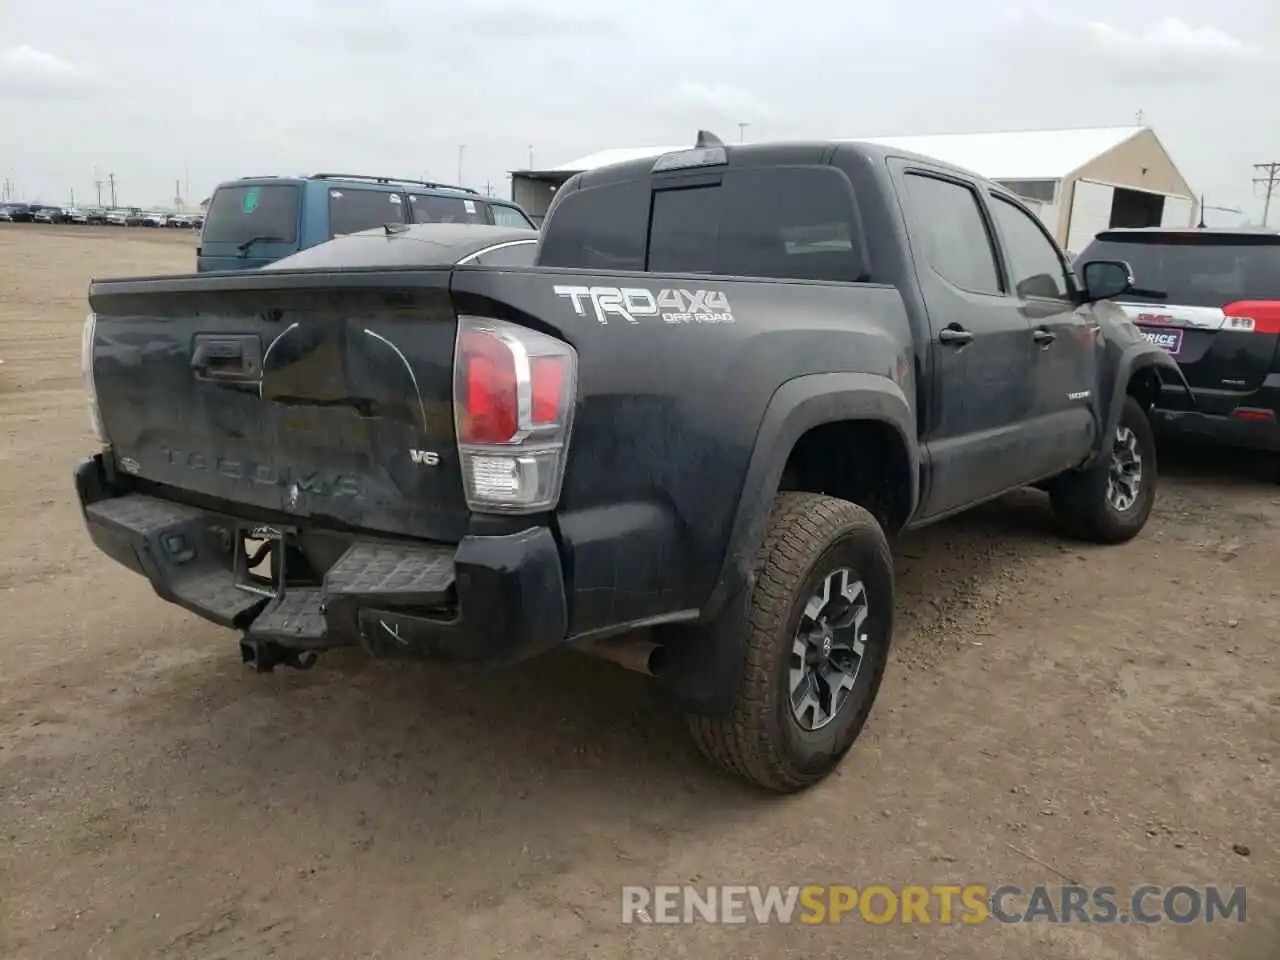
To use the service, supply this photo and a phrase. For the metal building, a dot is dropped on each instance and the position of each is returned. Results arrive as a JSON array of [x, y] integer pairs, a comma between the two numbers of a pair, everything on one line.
[[1079, 181]]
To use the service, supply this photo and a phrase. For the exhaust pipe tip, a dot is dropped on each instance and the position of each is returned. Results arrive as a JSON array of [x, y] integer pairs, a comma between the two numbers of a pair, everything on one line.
[[657, 662], [638, 654]]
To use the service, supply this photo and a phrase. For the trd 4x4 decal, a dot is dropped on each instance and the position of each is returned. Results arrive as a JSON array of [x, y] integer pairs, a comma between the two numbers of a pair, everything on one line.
[[633, 303]]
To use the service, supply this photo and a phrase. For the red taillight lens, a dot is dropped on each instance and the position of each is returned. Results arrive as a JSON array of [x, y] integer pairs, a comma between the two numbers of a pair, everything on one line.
[[492, 410], [547, 376], [1256, 316], [514, 392]]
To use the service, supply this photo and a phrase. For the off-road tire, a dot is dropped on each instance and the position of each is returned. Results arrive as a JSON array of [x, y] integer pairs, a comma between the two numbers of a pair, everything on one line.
[[1080, 499], [807, 537]]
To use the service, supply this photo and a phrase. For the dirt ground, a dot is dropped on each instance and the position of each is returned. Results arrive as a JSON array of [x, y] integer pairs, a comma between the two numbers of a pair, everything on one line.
[[1107, 715]]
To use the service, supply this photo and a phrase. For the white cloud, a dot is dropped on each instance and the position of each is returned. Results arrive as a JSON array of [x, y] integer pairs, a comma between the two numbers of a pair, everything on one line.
[[154, 91], [27, 71], [721, 99], [1170, 36], [24, 61], [1162, 52]]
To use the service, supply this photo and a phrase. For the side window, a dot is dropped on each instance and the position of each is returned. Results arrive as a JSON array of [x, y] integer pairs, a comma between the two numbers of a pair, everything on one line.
[[599, 228], [1034, 266], [790, 223], [786, 223], [684, 229], [950, 227], [504, 216], [432, 208], [353, 210]]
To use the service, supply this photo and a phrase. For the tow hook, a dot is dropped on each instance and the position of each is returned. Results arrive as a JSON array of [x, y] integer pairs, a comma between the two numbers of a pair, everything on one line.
[[265, 655]]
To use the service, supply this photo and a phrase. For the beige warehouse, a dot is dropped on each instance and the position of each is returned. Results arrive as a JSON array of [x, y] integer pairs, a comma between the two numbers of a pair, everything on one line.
[[1079, 181]]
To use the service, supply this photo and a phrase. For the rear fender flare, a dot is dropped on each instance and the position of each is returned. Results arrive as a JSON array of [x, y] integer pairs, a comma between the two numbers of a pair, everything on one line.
[[796, 407], [706, 658], [1134, 358]]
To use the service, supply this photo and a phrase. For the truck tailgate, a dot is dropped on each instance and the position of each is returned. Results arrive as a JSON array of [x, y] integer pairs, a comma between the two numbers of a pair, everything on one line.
[[321, 395]]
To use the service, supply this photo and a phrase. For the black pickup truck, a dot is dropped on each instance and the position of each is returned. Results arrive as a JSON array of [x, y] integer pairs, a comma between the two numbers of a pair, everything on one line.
[[679, 441]]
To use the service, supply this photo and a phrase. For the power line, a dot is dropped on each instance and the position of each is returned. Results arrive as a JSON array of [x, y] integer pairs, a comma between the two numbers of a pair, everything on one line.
[[1269, 180]]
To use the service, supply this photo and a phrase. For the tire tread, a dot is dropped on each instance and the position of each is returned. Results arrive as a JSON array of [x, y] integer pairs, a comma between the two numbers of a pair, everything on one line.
[[800, 527]]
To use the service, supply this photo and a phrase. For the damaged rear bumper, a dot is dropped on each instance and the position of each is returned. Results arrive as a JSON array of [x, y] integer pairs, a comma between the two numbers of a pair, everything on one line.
[[486, 599]]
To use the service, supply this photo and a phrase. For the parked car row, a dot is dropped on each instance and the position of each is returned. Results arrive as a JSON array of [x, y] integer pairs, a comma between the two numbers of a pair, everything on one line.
[[97, 216]]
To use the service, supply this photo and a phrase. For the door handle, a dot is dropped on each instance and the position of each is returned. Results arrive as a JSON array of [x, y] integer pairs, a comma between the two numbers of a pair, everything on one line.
[[1044, 336], [217, 357], [954, 336]]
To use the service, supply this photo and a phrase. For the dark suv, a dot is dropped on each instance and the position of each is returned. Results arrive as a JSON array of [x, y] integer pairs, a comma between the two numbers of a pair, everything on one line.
[[1211, 298]]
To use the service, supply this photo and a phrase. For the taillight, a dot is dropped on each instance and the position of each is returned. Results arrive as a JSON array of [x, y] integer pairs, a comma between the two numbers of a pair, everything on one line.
[[1253, 316], [87, 333], [513, 398], [1254, 413]]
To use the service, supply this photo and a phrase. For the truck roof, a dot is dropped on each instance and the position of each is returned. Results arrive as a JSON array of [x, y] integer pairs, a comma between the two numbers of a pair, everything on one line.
[[1121, 232], [776, 153]]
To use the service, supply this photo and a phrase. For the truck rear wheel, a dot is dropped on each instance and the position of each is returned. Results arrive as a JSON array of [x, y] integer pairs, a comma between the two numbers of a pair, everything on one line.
[[1111, 501], [819, 625]]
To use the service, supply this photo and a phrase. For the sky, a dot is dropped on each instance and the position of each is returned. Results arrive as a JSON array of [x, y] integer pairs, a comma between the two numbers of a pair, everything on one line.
[[187, 94]]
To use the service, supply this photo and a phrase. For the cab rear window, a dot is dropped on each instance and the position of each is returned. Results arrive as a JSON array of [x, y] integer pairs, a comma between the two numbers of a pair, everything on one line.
[[1194, 269], [245, 211], [785, 223]]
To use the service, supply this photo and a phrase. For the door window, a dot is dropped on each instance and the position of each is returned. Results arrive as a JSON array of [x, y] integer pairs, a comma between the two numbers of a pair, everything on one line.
[[504, 216], [1035, 268], [354, 209], [434, 208], [951, 228]]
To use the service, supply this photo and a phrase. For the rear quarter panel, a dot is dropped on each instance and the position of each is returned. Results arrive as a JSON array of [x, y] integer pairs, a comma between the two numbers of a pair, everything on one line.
[[668, 415]]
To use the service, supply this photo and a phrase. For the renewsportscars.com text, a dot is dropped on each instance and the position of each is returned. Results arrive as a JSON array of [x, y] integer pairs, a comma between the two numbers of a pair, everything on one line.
[[938, 904]]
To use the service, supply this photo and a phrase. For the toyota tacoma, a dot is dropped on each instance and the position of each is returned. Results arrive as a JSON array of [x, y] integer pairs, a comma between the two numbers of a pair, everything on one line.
[[679, 440]]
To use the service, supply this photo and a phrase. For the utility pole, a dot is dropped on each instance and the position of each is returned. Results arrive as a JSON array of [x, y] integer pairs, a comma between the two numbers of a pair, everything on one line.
[[111, 182], [462, 150], [742, 131], [531, 156], [1269, 180], [73, 195], [98, 184]]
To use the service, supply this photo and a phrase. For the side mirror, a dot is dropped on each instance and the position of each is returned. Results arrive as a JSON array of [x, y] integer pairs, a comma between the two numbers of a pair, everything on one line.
[[1104, 279]]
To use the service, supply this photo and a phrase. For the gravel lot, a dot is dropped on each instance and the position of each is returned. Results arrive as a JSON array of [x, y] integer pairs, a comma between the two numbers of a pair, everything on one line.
[[1108, 715]]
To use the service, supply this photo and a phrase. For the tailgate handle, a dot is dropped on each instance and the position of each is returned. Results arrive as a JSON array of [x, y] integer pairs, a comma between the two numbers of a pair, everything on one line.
[[220, 357]]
